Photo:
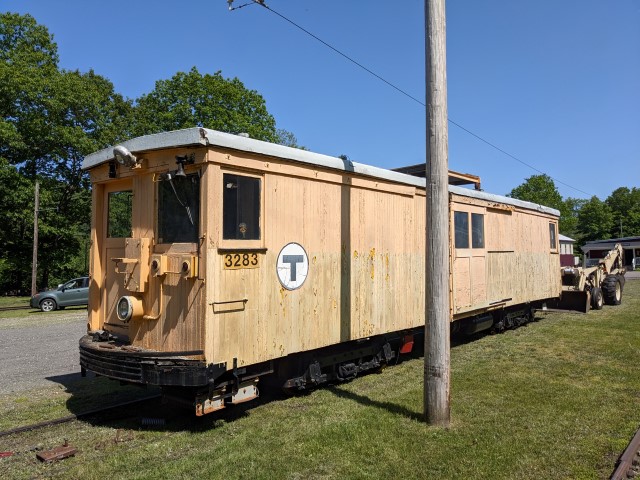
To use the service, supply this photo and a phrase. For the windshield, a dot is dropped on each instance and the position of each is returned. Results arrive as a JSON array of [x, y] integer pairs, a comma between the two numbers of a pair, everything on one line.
[[179, 209]]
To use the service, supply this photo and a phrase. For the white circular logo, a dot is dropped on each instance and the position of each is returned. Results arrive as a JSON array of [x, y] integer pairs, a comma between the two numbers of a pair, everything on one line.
[[293, 266]]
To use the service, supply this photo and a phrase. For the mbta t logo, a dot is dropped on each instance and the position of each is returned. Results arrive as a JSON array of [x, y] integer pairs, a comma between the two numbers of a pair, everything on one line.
[[292, 266]]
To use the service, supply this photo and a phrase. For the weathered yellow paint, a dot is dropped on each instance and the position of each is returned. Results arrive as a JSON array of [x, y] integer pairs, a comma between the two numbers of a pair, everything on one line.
[[364, 238]]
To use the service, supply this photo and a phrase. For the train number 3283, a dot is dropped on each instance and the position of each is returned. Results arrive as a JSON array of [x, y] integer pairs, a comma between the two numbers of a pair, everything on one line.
[[235, 261]]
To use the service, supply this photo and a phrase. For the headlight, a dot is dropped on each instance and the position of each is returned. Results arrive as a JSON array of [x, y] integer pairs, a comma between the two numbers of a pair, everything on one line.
[[128, 308]]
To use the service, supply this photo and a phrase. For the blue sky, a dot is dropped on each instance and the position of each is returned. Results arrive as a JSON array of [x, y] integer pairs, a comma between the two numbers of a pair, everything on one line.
[[555, 83]]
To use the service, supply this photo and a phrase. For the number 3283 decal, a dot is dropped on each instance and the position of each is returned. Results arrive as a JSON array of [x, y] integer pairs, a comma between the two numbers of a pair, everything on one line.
[[235, 261]]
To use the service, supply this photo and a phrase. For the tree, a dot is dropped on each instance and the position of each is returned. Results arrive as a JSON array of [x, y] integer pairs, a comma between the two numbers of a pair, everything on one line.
[[595, 220], [625, 205], [211, 101], [570, 214], [542, 190], [16, 228], [50, 119], [538, 189]]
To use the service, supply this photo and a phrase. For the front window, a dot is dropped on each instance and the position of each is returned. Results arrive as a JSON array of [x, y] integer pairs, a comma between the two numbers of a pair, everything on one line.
[[119, 214], [240, 207], [179, 209], [552, 236]]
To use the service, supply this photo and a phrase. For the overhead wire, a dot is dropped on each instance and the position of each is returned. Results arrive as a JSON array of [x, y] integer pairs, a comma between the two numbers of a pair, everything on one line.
[[408, 95]]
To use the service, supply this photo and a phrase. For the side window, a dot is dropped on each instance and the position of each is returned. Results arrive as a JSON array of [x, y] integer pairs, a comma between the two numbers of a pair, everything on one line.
[[179, 209], [477, 230], [461, 225], [552, 236], [119, 214], [240, 207]]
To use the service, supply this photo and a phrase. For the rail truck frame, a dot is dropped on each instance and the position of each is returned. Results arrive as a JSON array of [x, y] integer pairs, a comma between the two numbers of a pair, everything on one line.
[[218, 260]]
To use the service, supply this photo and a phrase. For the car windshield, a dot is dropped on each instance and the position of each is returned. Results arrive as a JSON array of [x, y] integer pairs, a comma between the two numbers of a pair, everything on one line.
[[76, 283]]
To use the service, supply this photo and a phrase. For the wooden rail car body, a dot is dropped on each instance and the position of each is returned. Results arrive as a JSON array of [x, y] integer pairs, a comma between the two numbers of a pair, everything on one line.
[[217, 259]]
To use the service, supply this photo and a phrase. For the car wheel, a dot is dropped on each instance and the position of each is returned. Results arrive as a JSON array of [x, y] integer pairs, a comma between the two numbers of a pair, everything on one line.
[[48, 305]]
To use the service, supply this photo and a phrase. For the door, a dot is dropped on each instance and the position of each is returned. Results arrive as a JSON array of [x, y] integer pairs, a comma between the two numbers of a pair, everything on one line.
[[469, 258], [118, 204]]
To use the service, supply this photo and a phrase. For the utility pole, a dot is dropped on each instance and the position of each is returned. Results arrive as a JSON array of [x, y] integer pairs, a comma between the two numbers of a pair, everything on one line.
[[437, 370], [34, 262]]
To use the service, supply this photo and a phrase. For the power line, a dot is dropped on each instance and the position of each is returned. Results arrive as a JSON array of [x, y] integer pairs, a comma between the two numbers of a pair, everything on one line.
[[403, 92]]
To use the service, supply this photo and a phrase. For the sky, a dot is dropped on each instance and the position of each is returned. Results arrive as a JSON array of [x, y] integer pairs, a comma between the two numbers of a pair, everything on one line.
[[555, 83]]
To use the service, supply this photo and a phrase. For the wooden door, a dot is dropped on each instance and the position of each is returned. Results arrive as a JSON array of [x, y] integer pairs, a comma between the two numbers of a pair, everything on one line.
[[469, 258], [117, 215]]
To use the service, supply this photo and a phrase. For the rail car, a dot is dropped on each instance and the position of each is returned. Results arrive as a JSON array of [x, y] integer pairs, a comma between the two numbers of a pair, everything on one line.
[[219, 260]]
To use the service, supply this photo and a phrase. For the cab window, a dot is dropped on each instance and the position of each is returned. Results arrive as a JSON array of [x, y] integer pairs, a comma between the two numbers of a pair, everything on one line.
[[179, 208], [552, 236], [119, 214], [240, 207]]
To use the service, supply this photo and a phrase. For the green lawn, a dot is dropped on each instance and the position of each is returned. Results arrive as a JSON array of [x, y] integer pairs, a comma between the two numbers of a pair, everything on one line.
[[14, 301], [556, 399]]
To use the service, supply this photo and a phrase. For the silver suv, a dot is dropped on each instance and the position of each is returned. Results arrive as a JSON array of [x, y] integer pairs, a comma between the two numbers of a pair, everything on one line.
[[74, 292]]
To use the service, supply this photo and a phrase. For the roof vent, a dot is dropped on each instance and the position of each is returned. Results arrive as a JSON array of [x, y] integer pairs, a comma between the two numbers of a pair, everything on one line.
[[244, 134]]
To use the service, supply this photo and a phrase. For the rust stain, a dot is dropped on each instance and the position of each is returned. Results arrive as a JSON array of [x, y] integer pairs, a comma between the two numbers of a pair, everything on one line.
[[355, 254]]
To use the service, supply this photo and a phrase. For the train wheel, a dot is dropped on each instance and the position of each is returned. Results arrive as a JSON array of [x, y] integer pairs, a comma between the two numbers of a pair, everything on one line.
[[596, 299], [612, 290]]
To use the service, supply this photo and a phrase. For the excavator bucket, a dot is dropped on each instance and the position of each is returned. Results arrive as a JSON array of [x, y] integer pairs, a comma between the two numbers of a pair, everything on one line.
[[575, 300]]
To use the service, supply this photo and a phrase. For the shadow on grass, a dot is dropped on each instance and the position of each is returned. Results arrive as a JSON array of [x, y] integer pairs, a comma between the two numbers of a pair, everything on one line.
[[368, 402], [92, 393]]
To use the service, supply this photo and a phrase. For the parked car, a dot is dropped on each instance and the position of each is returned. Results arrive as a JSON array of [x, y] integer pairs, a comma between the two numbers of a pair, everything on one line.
[[74, 292]]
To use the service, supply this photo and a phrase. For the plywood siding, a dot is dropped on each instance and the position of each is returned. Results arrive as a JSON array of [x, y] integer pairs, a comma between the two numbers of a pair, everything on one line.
[[364, 238], [365, 275], [519, 264], [176, 301]]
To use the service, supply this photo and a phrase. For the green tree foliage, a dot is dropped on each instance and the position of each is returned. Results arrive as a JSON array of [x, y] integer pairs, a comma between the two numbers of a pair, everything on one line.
[[539, 189], [50, 118], [595, 220], [288, 139], [16, 227], [569, 217], [211, 101], [625, 206], [542, 190]]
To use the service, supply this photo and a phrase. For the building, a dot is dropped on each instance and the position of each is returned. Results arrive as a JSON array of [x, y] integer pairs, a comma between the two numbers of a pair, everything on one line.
[[599, 248], [567, 258]]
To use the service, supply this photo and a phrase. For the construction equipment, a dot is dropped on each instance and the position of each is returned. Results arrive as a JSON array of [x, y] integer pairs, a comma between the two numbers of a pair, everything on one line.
[[584, 287]]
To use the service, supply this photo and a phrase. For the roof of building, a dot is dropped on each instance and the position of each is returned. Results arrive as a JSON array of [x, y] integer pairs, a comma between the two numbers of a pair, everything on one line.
[[564, 238], [202, 136], [615, 240]]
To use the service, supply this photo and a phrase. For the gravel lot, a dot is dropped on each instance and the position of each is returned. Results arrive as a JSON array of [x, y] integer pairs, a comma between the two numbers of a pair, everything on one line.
[[40, 350]]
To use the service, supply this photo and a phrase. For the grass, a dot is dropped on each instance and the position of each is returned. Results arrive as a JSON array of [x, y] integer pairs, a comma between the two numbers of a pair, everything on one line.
[[559, 399], [27, 317]]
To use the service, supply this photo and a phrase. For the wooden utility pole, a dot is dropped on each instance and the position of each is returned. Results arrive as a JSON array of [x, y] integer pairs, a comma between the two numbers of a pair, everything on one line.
[[34, 261], [437, 343]]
